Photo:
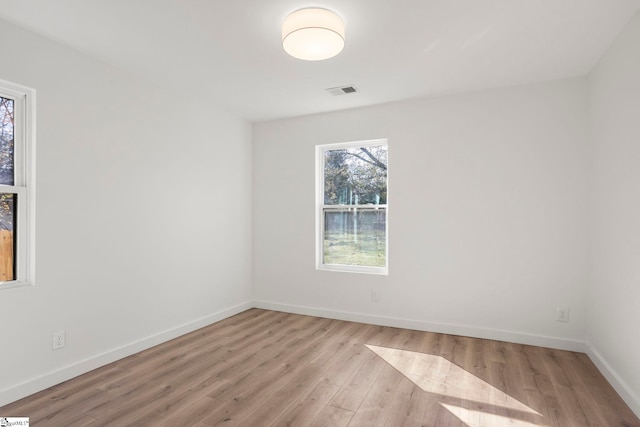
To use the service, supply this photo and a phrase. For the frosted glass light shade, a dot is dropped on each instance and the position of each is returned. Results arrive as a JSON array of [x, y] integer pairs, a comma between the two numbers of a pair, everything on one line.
[[313, 34]]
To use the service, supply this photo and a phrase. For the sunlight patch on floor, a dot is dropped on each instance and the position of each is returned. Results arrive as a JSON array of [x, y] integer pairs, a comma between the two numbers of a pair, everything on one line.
[[473, 418], [435, 374]]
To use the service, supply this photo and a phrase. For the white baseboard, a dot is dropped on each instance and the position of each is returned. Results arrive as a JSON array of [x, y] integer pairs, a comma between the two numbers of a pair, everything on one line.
[[444, 328], [614, 379], [42, 382]]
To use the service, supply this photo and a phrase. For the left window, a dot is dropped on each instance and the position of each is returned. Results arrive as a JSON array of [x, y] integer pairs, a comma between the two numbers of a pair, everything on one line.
[[17, 132]]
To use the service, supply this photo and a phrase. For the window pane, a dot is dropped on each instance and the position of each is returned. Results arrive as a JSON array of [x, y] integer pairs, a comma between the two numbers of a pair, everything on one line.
[[355, 237], [6, 141], [356, 176], [7, 236]]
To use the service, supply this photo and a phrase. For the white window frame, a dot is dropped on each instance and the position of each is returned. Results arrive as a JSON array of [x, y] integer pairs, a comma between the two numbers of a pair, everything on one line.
[[24, 183], [321, 208]]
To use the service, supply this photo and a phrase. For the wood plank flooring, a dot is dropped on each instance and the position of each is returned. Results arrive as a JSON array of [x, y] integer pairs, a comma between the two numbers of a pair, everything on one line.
[[267, 368]]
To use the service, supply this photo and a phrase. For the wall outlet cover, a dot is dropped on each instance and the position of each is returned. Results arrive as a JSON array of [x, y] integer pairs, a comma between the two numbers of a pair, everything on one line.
[[562, 314]]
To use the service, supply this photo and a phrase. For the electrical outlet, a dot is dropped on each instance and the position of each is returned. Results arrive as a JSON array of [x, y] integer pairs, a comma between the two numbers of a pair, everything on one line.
[[562, 314], [59, 339], [374, 295]]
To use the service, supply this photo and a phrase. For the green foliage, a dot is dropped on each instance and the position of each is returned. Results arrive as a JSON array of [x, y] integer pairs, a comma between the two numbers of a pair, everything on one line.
[[356, 176]]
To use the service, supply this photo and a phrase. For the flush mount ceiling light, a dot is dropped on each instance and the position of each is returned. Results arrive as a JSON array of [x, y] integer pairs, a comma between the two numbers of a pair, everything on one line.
[[313, 34]]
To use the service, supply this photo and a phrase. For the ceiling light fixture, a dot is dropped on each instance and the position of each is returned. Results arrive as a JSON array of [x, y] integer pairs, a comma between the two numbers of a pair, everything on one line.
[[313, 34]]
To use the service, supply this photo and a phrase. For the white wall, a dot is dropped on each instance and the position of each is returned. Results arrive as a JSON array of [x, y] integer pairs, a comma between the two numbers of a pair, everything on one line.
[[614, 297], [488, 196], [143, 216]]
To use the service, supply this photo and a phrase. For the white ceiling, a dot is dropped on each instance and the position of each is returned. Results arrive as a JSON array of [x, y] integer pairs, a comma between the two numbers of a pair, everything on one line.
[[230, 50]]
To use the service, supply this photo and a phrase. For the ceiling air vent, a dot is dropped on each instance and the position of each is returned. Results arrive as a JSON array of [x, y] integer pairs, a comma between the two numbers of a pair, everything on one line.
[[343, 90]]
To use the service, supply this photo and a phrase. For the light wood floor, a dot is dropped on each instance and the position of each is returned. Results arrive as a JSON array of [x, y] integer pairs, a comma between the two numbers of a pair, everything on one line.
[[266, 368]]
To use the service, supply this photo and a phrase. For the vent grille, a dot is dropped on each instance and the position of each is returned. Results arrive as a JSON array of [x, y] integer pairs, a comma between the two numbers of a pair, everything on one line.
[[342, 90]]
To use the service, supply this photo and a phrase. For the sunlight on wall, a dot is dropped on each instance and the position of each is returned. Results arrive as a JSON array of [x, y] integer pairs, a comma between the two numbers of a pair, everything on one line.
[[483, 404]]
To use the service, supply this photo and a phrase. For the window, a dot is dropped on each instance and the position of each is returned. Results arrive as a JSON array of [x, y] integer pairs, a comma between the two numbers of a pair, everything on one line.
[[16, 186], [351, 215]]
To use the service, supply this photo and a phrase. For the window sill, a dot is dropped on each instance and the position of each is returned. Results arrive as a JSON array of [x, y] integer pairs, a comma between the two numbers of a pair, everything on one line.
[[14, 285], [381, 271]]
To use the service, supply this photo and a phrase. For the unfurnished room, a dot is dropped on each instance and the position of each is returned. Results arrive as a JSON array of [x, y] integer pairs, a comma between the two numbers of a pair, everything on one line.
[[320, 213]]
